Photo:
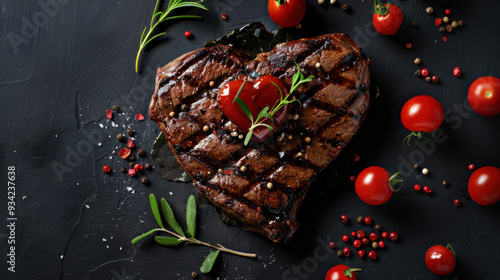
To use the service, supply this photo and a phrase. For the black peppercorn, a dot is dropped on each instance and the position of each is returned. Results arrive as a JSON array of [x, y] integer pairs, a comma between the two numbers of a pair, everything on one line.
[[116, 108], [130, 132], [442, 29], [131, 164], [417, 72], [346, 7], [123, 169], [416, 166], [145, 180], [414, 24], [340, 253], [194, 274], [360, 219], [147, 165], [141, 152], [119, 137], [378, 227], [445, 183], [428, 79], [131, 158]]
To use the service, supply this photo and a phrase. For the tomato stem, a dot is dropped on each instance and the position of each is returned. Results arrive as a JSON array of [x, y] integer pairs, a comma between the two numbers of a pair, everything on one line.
[[348, 272], [281, 2], [451, 250], [393, 180], [380, 8]]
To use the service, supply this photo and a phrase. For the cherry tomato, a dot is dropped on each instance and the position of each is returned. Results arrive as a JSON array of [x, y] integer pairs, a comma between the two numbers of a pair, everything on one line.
[[484, 96], [341, 272], [387, 18], [440, 260], [422, 113], [374, 185], [484, 185], [286, 13]]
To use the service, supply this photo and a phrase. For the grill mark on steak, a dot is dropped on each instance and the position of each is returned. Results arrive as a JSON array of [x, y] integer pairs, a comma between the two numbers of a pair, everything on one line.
[[333, 107]]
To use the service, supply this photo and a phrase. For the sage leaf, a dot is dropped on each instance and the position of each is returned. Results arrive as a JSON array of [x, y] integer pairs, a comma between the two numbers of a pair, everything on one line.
[[144, 235], [154, 208], [191, 216], [167, 241], [169, 216], [209, 261]]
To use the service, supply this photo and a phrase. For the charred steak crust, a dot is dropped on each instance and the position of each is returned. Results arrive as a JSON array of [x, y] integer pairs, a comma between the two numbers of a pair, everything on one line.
[[332, 109]]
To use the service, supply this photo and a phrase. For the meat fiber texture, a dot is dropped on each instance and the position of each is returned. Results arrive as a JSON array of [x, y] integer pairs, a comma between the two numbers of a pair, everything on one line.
[[332, 107]]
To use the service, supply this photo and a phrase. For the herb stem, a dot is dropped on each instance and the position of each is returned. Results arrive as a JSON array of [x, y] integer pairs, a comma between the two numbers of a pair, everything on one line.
[[217, 247]]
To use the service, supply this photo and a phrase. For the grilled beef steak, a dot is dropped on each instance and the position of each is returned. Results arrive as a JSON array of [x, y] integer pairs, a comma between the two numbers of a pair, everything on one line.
[[264, 198]]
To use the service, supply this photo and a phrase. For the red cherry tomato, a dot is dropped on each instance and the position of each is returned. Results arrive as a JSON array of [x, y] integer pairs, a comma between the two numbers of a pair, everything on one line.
[[422, 113], [484, 185], [387, 18], [373, 185], [286, 13], [440, 260], [484, 96], [341, 272]]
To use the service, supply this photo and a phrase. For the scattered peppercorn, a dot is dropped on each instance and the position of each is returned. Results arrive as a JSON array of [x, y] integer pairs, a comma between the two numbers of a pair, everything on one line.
[[131, 158], [141, 152], [428, 79], [307, 140], [416, 166], [116, 108], [417, 61], [131, 172], [438, 21], [384, 234], [333, 1], [368, 220], [223, 16], [106, 168], [457, 72], [361, 253], [372, 255], [456, 202], [119, 137], [353, 233], [447, 11], [347, 252], [393, 236], [381, 244], [445, 183], [374, 245], [365, 241], [446, 19], [130, 132], [442, 29], [417, 187], [435, 79], [460, 23], [427, 189], [123, 169], [360, 219], [145, 181], [414, 24], [425, 171], [318, 65], [344, 219], [340, 253], [131, 164], [352, 178], [360, 234], [445, 39], [345, 7], [194, 274], [138, 167], [321, 2], [188, 34], [378, 227], [408, 45], [454, 24], [172, 114], [373, 236], [345, 238], [332, 245], [269, 185], [243, 168], [471, 167], [449, 28], [429, 10], [417, 73], [424, 72], [356, 158]]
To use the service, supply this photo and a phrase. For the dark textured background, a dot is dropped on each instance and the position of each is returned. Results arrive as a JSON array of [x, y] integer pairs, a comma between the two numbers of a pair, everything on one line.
[[57, 82]]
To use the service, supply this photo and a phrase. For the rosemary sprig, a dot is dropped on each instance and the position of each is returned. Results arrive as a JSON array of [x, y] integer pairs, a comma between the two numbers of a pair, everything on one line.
[[298, 80], [179, 236], [159, 17]]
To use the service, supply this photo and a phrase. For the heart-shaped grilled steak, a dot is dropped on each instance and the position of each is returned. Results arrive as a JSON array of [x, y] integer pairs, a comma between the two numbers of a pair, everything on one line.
[[262, 186]]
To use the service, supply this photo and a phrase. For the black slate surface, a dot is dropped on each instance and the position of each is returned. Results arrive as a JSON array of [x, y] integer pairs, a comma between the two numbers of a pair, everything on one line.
[[64, 64]]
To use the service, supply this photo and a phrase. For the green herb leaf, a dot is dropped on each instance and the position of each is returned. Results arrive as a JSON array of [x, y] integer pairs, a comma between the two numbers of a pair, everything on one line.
[[248, 137], [169, 216], [144, 235], [264, 113], [244, 108], [209, 261], [154, 208], [191, 216], [239, 90], [167, 241]]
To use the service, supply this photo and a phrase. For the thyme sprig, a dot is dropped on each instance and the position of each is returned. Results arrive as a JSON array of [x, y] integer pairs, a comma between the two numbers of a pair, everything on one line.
[[298, 80], [178, 234], [159, 17]]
